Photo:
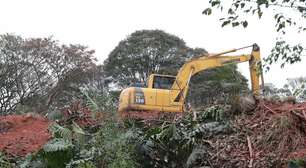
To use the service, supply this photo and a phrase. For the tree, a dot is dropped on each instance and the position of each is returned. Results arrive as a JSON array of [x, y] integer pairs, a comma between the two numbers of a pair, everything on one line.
[[37, 72], [294, 87], [143, 53], [288, 16], [217, 84]]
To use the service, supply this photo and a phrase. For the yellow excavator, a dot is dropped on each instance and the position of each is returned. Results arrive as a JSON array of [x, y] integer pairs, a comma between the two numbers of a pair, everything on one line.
[[167, 94]]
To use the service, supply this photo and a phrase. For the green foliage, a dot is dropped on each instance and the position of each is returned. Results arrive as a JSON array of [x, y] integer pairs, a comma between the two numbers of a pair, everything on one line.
[[288, 16], [71, 133], [100, 101], [30, 161], [88, 164], [55, 115], [296, 163], [60, 132], [4, 163], [91, 103], [218, 84], [22, 109], [77, 129], [214, 113], [288, 53], [62, 153], [57, 144], [108, 146], [57, 153], [168, 145], [67, 141], [83, 158], [90, 95], [117, 146]]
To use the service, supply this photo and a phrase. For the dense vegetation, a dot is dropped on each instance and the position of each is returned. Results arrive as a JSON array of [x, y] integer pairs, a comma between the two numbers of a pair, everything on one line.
[[64, 83], [40, 75]]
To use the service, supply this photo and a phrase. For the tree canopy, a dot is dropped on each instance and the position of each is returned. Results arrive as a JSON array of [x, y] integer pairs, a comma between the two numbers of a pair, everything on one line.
[[39, 71], [143, 53], [219, 84], [289, 15]]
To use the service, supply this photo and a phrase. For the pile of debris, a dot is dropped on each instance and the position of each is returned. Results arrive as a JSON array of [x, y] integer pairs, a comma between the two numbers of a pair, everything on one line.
[[272, 136], [80, 115], [23, 134]]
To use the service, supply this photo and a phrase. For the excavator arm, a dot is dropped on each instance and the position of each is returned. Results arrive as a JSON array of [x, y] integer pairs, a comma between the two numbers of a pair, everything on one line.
[[202, 63]]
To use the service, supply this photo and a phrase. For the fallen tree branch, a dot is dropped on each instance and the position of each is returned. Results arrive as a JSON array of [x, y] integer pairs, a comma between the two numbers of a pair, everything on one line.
[[298, 115], [269, 108], [304, 114], [208, 142], [251, 152], [194, 118], [301, 108]]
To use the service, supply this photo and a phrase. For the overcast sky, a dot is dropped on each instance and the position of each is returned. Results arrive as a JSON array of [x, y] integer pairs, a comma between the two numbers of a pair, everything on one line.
[[101, 24]]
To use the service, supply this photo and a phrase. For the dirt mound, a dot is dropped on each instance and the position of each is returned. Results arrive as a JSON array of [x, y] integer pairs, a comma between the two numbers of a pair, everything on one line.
[[23, 134], [273, 135]]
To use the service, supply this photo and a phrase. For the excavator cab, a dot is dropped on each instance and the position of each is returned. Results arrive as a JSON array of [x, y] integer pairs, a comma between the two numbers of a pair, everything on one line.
[[157, 81]]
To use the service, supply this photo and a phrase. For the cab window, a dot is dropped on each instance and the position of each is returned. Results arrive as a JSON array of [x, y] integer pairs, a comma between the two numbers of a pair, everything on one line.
[[163, 82]]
